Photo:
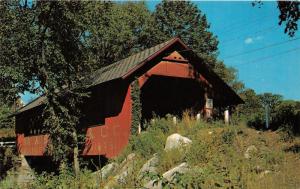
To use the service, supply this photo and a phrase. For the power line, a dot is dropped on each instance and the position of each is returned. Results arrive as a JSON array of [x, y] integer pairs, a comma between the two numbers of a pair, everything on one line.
[[261, 48], [243, 24], [269, 56], [250, 34]]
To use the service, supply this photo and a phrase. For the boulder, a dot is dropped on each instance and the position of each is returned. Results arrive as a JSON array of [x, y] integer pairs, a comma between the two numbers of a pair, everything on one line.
[[176, 141], [107, 170], [169, 176], [153, 184], [266, 172], [182, 168], [125, 168], [250, 151], [149, 166]]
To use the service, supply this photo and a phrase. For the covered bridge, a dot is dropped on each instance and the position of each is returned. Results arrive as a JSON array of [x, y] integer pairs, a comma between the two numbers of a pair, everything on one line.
[[171, 77]]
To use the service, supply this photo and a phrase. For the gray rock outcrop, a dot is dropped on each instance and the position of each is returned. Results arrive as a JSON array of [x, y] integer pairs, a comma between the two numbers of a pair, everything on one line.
[[175, 141]]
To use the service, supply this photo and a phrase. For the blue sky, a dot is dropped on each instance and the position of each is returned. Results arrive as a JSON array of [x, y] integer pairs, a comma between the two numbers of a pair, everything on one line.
[[242, 28]]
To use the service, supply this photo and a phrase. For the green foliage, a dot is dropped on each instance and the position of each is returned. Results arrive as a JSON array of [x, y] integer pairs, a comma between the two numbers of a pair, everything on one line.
[[136, 107], [171, 158], [252, 103], [5, 120], [229, 75], [287, 117], [8, 160], [284, 114], [197, 153], [66, 179], [125, 28], [228, 136], [289, 14], [147, 143], [183, 19]]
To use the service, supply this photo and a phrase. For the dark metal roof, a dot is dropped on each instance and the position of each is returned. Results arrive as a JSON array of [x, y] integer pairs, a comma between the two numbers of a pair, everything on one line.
[[110, 72], [122, 67], [38, 101]]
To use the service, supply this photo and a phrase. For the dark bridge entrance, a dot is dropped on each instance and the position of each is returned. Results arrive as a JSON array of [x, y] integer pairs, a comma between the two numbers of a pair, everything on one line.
[[161, 95]]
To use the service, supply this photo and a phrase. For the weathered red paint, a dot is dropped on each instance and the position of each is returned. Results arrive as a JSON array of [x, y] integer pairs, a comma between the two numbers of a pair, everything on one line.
[[32, 145], [109, 139], [171, 69]]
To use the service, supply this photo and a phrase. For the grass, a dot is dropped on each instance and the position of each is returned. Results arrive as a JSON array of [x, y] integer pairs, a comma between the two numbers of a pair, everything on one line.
[[7, 133], [216, 158]]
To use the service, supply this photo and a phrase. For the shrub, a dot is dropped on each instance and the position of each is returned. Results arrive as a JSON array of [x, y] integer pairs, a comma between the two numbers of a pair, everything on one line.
[[171, 158], [228, 136], [256, 121], [8, 160], [148, 143], [197, 153]]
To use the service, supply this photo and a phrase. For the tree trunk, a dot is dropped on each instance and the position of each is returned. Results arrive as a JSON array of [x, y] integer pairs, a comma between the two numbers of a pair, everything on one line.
[[75, 155]]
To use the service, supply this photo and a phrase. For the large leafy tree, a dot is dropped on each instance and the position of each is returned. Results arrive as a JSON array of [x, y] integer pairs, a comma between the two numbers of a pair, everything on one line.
[[229, 75], [125, 28], [185, 20], [44, 52]]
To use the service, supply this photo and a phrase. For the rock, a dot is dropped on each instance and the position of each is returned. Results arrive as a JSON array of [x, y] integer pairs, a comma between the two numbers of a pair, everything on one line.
[[153, 184], [258, 169], [266, 172], [182, 168], [175, 141], [250, 151], [125, 168], [169, 175], [149, 166], [107, 170]]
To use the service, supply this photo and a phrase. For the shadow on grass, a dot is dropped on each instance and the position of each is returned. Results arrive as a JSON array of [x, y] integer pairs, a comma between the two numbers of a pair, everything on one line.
[[294, 148]]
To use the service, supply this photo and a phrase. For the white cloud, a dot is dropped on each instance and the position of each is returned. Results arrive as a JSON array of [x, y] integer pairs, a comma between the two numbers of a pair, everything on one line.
[[249, 40], [258, 38]]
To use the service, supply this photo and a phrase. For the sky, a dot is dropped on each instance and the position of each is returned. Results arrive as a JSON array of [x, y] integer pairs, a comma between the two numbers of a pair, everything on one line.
[[241, 29]]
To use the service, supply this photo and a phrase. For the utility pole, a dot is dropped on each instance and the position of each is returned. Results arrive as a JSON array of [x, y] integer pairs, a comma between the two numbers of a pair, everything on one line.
[[267, 110]]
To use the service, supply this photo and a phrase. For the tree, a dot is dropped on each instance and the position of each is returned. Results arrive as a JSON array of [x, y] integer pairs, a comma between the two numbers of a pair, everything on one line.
[[183, 19], [125, 28], [289, 13], [14, 46], [44, 48], [229, 75], [252, 103], [269, 99]]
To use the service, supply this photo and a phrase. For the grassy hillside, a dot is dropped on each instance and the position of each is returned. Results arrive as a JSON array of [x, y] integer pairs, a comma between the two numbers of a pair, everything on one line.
[[216, 159]]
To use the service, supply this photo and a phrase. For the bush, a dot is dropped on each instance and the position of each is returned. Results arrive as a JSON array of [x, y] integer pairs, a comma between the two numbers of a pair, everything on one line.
[[197, 153], [257, 121], [171, 158], [148, 143], [8, 160], [228, 136]]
